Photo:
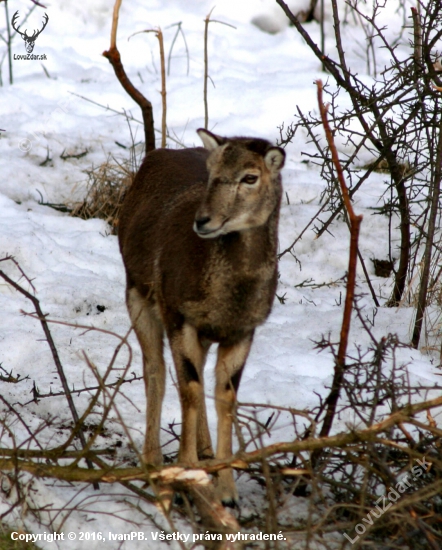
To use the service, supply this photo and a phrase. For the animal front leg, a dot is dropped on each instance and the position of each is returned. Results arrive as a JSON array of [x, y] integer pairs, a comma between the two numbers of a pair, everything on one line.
[[149, 331], [229, 366], [189, 356]]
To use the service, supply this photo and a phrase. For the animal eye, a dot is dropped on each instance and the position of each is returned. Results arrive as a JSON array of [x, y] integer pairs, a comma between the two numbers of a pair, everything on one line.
[[250, 179]]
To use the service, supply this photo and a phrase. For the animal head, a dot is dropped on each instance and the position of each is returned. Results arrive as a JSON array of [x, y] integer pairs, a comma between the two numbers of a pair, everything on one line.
[[244, 186], [29, 40]]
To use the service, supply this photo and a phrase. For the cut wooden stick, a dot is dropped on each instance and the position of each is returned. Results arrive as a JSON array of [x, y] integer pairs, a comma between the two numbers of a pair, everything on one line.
[[159, 35], [113, 55]]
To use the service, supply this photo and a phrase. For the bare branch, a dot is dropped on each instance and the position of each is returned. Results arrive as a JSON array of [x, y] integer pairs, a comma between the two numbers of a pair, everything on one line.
[[113, 55]]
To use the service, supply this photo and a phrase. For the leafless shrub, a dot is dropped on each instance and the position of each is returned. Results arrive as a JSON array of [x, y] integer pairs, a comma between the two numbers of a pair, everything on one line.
[[107, 186], [388, 436], [395, 118]]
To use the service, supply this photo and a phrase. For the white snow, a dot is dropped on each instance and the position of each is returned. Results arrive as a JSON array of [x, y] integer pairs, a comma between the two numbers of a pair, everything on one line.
[[259, 79]]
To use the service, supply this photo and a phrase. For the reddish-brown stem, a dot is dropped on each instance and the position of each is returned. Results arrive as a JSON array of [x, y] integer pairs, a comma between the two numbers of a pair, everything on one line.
[[113, 55], [355, 222]]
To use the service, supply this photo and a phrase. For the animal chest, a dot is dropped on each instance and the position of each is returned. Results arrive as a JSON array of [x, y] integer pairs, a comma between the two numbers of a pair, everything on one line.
[[231, 303]]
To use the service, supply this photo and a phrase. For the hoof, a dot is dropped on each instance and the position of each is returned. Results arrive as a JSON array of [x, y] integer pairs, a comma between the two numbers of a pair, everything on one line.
[[226, 489], [178, 500], [230, 503]]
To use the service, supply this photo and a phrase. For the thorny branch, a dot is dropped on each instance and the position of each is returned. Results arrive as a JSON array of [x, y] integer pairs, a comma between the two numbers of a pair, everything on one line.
[[355, 222], [371, 108]]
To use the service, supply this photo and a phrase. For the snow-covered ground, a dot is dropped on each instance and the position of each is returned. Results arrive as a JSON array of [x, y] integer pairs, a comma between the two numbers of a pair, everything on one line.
[[258, 81]]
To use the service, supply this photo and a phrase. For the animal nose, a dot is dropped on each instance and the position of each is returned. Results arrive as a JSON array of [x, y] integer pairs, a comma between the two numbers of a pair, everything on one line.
[[201, 222]]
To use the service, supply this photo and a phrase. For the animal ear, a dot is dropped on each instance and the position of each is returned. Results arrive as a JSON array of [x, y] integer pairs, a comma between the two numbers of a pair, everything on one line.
[[210, 141], [274, 158]]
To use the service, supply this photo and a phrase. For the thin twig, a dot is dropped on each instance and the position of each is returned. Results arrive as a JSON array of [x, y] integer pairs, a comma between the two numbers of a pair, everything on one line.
[[423, 289], [55, 356], [169, 57], [207, 20], [159, 35], [127, 116], [88, 389]]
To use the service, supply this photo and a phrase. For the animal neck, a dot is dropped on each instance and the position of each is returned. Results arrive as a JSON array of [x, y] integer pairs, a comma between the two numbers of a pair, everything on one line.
[[252, 248]]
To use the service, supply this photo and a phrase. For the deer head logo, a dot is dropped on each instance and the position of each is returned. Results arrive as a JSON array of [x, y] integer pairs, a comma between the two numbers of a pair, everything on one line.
[[29, 40]]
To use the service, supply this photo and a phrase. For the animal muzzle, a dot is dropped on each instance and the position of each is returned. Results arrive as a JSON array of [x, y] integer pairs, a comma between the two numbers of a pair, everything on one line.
[[200, 224], [208, 227]]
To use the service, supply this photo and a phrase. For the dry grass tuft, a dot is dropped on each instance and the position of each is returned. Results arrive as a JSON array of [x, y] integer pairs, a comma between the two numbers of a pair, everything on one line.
[[106, 190]]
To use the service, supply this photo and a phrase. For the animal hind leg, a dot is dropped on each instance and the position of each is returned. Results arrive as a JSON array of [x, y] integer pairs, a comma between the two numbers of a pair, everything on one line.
[[149, 330], [229, 366], [189, 355], [204, 442]]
